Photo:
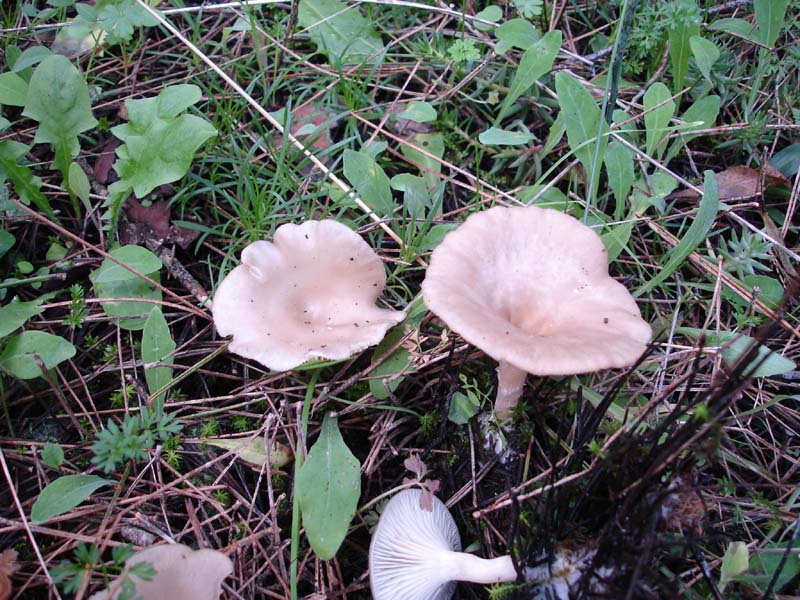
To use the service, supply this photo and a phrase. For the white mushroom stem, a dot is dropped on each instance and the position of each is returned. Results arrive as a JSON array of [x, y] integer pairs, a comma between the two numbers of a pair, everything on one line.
[[460, 566], [510, 381]]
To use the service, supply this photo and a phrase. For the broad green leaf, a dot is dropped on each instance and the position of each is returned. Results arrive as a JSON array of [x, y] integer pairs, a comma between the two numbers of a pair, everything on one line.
[[528, 8], [159, 143], [705, 54], [157, 347], [15, 314], [700, 115], [52, 455], [769, 363], [64, 494], [430, 167], [515, 33], [537, 60], [339, 31], [119, 19], [735, 562], [113, 281], [772, 560], [491, 13], [79, 184], [420, 112], [369, 180], [252, 450], [494, 136], [619, 166], [13, 89], [737, 27], [30, 57], [656, 120], [769, 290], [26, 184], [18, 357], [58, 98], [681, 30], [787, 161], [392, 368], [616, 238], [328, 487], [416, 199], [7, 241], [695, 235], [582, 120], [137, 258], [463, 407], [771, 17]]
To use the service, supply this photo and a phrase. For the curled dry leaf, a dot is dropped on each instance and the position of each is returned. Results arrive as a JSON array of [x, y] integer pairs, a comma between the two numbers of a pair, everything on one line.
[[153, 222], [739, 183]]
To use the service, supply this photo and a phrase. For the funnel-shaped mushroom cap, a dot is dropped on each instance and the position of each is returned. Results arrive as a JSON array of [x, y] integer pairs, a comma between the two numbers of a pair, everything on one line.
[[181, 574], [403, 553], [530, 287], [310, 293]]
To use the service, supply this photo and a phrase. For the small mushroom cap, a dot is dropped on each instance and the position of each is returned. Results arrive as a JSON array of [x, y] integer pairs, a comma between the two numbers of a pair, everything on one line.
[[181, 574], [402, 554], [310, 293], [530, 286]]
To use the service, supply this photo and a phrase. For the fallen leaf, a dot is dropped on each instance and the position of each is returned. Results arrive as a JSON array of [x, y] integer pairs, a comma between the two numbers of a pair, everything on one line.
[[153, 222], [7, 568], [252, 451], [307, 121], [739, 183], [103, 162]]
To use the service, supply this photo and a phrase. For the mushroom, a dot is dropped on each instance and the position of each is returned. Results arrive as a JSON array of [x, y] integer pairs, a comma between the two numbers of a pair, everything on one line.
[[415, 554], [310, 293], [530, 287], [181, 574]]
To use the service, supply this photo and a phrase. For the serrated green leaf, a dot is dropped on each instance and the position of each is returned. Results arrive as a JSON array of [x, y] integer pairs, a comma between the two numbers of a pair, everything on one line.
[[119, 19], [64, 494], [19, 355], [369, 180], [528, 8], [13, 89], [157, 347], [535, 62], [52, 455], [58, 99], [700, 226], [328, 487], [15, 314], [495, 136], [705, 54], [658, 111], [771, 17], [26, 184], [158, 144], [340, 31]]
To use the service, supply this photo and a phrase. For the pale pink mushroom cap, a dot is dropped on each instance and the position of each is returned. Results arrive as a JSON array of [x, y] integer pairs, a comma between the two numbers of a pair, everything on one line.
[[181, 574], [530, 287], [310, 293]]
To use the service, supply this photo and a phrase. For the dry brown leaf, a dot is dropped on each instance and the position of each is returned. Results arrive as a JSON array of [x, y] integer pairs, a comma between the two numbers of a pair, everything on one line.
[[7, 567], [739, 183], [153, 221]]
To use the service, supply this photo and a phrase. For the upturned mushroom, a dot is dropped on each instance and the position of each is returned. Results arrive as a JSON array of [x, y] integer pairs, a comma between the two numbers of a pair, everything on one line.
[[415, 554], [310, 293], [181, 574], [530, 287]]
